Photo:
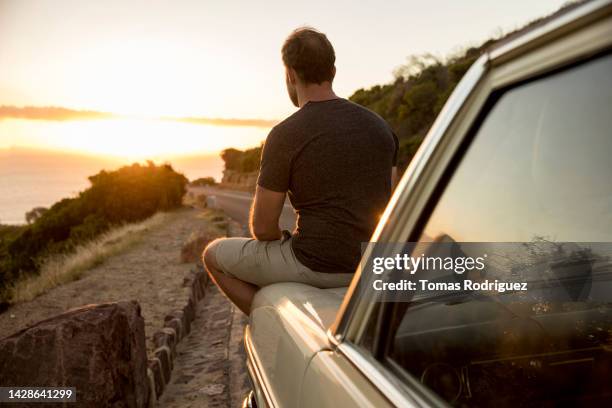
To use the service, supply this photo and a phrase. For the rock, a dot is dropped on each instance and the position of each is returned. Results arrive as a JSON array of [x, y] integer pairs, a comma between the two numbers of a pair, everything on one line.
[[189, 310], [191, 252], [175, 324], [197, 290], [185, 323], [165, 358], [152, 389], [155, 366], [99, 349], [213, 389], [166, 337], [202, 276]]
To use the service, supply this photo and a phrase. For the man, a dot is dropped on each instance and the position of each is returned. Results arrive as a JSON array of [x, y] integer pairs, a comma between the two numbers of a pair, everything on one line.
[[335, 159]]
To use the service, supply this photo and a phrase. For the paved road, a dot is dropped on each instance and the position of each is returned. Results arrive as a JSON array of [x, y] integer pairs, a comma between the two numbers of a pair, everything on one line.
[[236, 204]]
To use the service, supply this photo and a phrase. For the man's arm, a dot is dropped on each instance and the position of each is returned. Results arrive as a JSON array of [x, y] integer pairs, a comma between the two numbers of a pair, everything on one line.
[[265, 213]]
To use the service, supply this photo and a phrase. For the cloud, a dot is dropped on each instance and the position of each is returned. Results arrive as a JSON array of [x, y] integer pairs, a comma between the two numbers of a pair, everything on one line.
[[50, 113], [62, 114], [227, 122]]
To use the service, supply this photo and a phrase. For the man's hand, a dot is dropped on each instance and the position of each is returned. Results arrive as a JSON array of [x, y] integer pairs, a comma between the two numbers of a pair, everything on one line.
[[265, 213]]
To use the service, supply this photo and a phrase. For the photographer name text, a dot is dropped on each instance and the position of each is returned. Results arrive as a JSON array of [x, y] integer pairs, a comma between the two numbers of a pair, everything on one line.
[[457, 265]]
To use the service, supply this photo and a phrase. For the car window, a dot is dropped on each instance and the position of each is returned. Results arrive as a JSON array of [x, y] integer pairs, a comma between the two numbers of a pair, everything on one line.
[[538, 170], [540, 165]]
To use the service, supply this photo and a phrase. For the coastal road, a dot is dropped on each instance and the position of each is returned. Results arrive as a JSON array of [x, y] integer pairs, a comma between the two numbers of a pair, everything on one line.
[[236, 204]]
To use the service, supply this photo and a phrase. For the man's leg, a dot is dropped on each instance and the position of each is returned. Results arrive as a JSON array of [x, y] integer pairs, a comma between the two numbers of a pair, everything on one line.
[[239, 292]]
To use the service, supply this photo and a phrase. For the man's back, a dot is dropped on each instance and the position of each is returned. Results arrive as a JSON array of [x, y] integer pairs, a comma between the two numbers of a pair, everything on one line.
[[334, 158]]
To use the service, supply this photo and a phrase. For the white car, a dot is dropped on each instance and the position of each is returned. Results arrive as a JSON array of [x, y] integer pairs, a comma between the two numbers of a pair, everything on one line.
[[522, 149]]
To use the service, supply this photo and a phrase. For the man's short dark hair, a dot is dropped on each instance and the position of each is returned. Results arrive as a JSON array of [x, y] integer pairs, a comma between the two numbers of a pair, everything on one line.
[[310, 54]]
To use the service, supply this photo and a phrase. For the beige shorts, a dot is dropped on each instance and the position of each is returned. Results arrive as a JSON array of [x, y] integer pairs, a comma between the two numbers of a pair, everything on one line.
[[263, 263]]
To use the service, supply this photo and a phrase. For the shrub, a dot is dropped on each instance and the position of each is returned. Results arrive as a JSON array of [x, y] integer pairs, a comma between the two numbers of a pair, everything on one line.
[[129, 194], [204, 181], [242, 161]]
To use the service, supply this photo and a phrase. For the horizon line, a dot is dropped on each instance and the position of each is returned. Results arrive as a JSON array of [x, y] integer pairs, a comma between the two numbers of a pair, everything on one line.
[[60, 114], [84, 153]]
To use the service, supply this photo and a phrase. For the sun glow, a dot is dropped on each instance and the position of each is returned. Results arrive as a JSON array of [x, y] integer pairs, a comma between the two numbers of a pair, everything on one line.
[[133, 139], [147, 77]]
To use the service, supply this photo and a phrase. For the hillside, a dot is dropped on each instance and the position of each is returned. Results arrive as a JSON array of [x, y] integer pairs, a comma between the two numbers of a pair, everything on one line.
[[412, 102]]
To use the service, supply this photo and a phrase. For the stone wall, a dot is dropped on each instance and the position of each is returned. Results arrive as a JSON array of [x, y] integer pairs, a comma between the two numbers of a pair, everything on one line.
[[234, 180], [177, 325]]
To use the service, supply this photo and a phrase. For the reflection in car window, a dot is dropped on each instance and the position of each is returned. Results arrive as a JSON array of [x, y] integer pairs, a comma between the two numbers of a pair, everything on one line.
[[539, 170], [540, 166]]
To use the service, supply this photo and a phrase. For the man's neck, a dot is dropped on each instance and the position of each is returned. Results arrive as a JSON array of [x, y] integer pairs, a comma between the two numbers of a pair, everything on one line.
[[315, 93]]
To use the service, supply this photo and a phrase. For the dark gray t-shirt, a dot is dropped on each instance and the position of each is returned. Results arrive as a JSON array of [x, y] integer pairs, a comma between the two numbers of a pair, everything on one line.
[[334, 159]]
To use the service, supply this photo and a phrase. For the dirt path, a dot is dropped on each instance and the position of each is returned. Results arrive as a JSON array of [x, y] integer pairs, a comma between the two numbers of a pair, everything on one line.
[[150, 272]]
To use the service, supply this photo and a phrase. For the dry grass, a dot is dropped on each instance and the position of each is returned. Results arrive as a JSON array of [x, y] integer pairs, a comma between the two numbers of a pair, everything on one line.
[[62, 269]]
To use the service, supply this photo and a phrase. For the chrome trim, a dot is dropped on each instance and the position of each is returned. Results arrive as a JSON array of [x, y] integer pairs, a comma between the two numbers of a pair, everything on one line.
[[589, 10], [334, 341], [249, 401], [387, 384], [255, 369]]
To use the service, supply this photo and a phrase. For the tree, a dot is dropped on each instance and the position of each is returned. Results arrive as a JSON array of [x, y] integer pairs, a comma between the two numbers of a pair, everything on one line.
[[232, 158], [34, 214], [242, 161], [204, 181]]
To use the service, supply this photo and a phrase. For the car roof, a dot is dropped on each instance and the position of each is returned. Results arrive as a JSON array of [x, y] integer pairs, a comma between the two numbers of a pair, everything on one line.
[[543, 31]]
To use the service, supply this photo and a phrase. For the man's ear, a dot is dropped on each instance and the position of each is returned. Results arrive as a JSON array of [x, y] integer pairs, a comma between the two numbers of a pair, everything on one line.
[[334, 72], [291, 75]]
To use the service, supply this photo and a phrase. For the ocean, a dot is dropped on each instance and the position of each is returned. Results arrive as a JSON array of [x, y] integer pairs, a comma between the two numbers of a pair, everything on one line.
[[34, 178]]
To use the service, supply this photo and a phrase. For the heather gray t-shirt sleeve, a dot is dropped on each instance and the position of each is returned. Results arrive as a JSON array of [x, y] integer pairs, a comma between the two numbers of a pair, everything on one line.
[[275, 170]]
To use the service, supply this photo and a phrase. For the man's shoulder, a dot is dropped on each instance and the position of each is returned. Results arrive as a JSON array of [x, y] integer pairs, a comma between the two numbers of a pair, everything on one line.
[[283, 133], [367, 113], [289, 123]]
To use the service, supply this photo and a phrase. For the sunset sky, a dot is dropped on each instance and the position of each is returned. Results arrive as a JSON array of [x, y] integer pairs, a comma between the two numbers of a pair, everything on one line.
[[207, 59]]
